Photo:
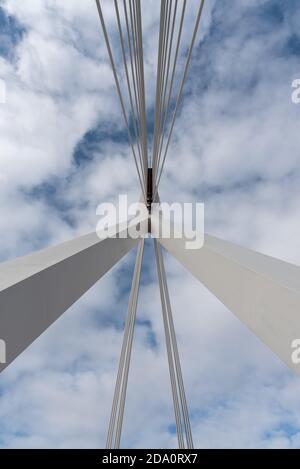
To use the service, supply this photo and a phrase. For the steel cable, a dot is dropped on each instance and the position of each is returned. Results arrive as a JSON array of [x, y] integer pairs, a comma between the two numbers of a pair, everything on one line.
[[134, 118], [118, 406], [183, 426], [157, 181], [120, 94]]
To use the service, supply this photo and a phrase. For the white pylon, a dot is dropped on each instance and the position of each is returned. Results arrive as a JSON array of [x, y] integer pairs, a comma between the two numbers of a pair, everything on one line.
[[263, 292], [37, 289]]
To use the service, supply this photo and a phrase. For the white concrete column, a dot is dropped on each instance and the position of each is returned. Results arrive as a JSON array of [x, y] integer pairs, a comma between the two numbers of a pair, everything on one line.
[[37, 289], [263, 292]]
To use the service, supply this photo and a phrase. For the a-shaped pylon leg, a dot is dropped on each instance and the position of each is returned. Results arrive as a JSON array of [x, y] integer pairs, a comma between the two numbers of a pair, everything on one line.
[[37, 289], [263, 292]]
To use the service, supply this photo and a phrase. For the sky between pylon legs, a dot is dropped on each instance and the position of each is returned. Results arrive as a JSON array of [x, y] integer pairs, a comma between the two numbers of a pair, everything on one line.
[[63, 150]]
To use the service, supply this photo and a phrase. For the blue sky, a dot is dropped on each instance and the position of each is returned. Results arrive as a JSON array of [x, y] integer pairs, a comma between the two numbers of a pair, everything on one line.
[[63, 150]]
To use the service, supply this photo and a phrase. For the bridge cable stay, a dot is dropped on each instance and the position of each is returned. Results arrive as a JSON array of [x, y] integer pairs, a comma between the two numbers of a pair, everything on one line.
[[170, 38], [133, 68], [136, 121], [178, 100], [163, 80], [165, 49], [184, 433], [175, 59], [142, 79], [137, 47], [112, 62], [158, 82], [164, 112], [118, 406]]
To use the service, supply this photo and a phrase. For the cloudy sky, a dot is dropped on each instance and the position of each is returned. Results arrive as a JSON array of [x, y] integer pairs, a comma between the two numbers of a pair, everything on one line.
[[63, 151]]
